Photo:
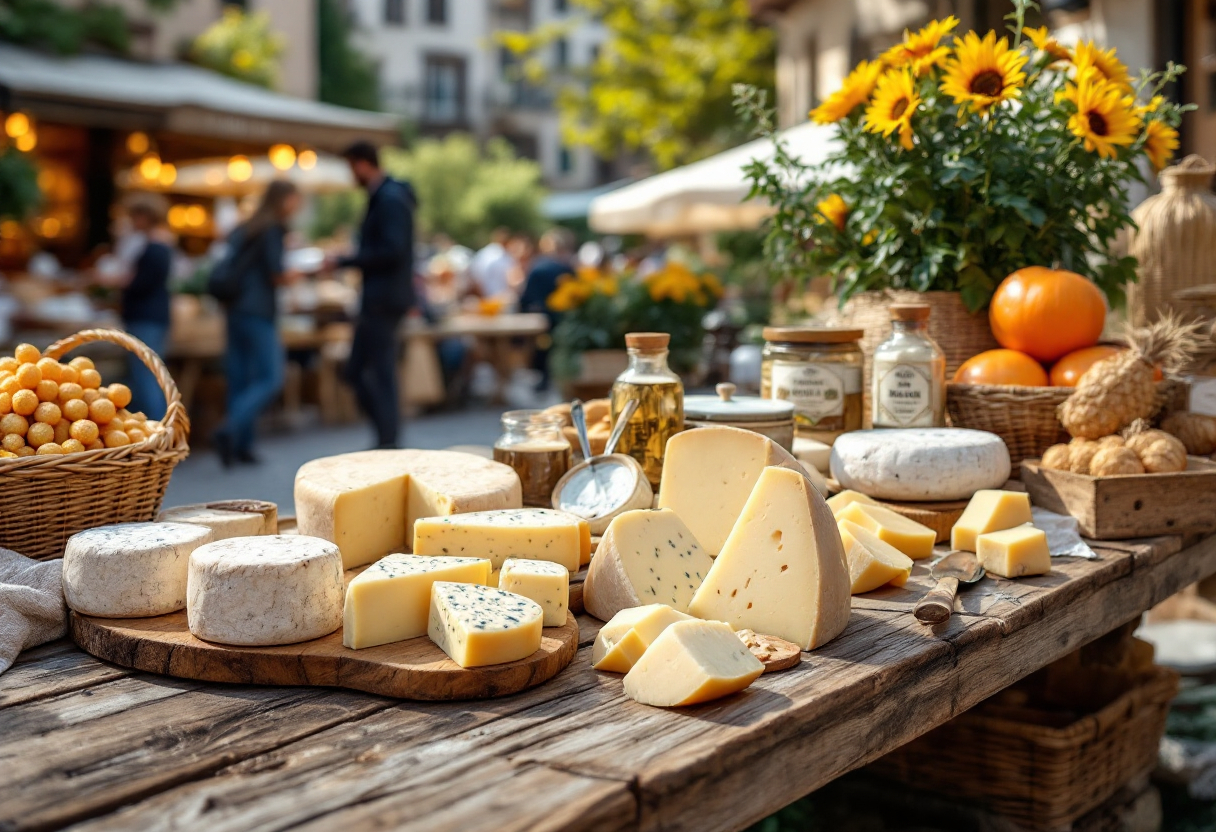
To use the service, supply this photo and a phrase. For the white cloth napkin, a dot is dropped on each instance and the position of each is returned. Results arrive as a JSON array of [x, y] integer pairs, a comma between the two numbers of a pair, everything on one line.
[[1063, 534], [32, 609]]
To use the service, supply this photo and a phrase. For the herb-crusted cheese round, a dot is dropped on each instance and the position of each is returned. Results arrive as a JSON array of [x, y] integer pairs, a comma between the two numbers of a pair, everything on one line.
[[274, 589], [130, 570], [920, 463]]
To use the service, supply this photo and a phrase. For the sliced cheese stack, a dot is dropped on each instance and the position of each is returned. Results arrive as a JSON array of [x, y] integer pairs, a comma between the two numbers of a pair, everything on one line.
[[872, 562], [782, 571], [645, 557], [839, 502], [913, 539], [529, 533], [391, 599], [691, 662], [130, 570], [275, 589], [989, 511], [548, 584], [1014, 553], [226, 522], [478, 625], [920, 463], [622, 641]]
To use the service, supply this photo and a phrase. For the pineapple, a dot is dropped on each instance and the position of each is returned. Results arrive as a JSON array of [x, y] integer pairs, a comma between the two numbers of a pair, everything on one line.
[[1119, 390]]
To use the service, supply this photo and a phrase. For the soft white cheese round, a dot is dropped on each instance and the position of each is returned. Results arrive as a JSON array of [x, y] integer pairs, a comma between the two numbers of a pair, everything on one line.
[[920, 463], [222, 522], [274, 589], [130, 570]]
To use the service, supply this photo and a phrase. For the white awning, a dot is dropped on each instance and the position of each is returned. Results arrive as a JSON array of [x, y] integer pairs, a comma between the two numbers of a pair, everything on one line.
[[210, 177]]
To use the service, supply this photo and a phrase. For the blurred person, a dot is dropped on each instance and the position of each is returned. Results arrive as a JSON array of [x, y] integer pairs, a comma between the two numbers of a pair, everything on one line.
[[522, 250], [385, 256], [492, 266], [555, 260], [255, 361]]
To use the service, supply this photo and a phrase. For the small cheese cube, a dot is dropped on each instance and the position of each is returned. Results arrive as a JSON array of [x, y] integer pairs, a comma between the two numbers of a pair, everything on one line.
[[528, 533], [691, 662], [548, 584], [908, 536], [845, 498], [623, 640], [478, 625], [391, 599], [989, 511], [872, 562], [1015, 552]]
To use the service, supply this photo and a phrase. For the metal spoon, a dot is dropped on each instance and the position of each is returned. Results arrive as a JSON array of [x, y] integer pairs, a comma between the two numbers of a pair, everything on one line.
[[955, 569], [619, 427], [580, 424]]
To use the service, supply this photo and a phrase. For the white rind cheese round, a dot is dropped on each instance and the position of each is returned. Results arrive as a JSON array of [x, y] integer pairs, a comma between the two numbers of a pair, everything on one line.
[[274, 589], [130, 570], [224, 523], [920, 463]]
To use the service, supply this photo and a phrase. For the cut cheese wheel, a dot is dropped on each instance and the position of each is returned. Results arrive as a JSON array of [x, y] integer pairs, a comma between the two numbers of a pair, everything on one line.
[[367, 502], [920, 463], [908, 536], [623, 640], [223, 523], [846, 498], [479, 625], [548, 584], [872, 562], [691, 662], [708, 476], [782, 570], [989, 511], [391, 599], [1014, 553], [527, 533], [274, 589], [648, 556], [130, 570]]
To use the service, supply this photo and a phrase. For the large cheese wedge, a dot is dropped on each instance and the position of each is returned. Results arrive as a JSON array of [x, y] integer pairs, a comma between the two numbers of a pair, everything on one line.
[[391, 599], [839, 502], [708, 475], [691, 662], [225, 522], [548, 584], [479, 625], [367, 502], [623, 640], [1014, 553], [529, 533], [989, 511], [920, 463], [782, 571], [872, 562], [647, 556], [913, 539]]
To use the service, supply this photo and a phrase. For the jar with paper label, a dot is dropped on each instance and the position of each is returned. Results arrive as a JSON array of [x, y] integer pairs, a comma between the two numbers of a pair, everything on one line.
[[909, 377], [819, 371]]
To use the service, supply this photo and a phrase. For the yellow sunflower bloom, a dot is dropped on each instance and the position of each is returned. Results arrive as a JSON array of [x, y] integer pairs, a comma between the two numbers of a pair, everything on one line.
[[984, 72], [1160, 142], [587, 274], [1087, 55], [1044, 42], [1151, 106], [1103, 118], [923, 50], [607, 286], [833, 210], [853, 92], [895, 100]]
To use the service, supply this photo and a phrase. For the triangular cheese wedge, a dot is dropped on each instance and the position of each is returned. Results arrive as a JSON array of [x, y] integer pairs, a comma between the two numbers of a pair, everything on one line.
[[872, 562]]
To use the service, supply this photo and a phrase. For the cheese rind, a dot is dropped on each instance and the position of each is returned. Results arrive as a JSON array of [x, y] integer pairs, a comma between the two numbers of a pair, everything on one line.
[[273, 589], [1014, 553], [623, 640], [391, 599], [782, 571], [526, 533], [708, 476], [920, 463], [989, 511], [913, 539], [872, 562], [548, 584], [478, 625], [839, 502], [691, 662], [130, 570], [646, 556], [222, 522]]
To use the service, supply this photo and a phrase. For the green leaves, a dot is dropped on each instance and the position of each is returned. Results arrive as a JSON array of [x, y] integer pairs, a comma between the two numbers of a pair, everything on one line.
[[19, 194]]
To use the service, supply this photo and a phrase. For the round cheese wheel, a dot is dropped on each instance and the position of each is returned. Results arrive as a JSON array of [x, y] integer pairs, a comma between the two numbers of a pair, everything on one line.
[[920, 463], [130, 570], [273, 589], [223, 522]]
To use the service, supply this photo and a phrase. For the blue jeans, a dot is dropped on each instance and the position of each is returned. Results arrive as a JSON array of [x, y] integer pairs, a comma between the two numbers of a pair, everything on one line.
[[146, 395], [255, 367]]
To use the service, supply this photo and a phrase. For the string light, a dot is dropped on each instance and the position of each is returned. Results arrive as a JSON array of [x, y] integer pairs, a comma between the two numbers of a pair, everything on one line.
[[282, 156], [137, 143], [240, 169], [177, 216], [150, 166], [195, 216], [307, 160], [17, 125], [26, 141], [167, 175]]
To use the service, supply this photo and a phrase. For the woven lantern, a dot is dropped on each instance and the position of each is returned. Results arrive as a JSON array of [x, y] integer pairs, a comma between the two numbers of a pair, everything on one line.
[[1175, 240]]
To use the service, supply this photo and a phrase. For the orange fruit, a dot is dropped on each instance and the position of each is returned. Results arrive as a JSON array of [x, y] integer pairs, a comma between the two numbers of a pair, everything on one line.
[[1002, 367], [1047, 313]]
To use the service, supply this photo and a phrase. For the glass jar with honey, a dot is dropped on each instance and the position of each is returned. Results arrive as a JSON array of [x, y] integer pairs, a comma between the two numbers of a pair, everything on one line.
[[819, 371], [660, 397], [533, 444]]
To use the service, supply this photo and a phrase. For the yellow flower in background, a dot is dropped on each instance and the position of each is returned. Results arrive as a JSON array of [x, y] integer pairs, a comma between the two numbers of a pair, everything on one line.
[[1103, 118], [570, 292], [853, 92], [1151, 107], [1044, 42], [984, 72], [675, 282], [607, 286], [833, 210], [1087, 56], [587, 274], [1160, 142], [895, 100], [922, 51], [712, 284]]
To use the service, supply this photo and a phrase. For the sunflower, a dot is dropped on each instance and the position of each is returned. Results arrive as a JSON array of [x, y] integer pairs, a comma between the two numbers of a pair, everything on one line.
[[833, 210], [1089, 56], [923, 50], [895, 100], [1151, 107], [1160, 142], [1103, 118], [984, 72], [1047, 44], [854, 91]]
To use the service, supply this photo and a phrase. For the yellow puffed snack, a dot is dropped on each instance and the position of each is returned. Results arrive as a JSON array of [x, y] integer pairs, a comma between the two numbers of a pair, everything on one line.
[[135, 435], [47, 390], [50, 448], [27, 353], [12, 442], [9, 364], [82, 362], [101, 411], [25, 402], [39, 434], [91, 396], [49, 368], [26, 451], [10, 385], [63, 431], [85, 431], [28, 376], [90, 379], [120, 394], [95, 445], [14, 423], [71, 446], [116, 439], [75, 409], [7, 455], [69, 390], [68, 374], [48, 412], [6, 404]]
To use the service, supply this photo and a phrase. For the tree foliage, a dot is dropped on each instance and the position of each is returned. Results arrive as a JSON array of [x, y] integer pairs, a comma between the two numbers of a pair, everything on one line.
[[347, 77], [241, 46], [46, 24], [19, 194]]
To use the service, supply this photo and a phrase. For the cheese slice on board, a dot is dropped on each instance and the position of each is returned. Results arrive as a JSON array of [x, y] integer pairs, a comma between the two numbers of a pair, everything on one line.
[[839, 502], [989, 511], [479, 625], [548, 584], [647, 556], [782, 571], [913, 539], [872, 562], [223, 523], [691, 662], [529, 533], [1014, 553], [708, 475], [623, 640], [391, 599]]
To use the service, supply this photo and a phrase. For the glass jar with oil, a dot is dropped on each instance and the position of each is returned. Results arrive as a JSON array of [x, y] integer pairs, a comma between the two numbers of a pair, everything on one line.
[[533, 444], [660, 397]]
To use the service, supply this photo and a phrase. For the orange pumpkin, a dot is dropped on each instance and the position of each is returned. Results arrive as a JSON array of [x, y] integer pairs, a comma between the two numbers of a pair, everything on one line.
[[1047, 313], [1002, 367], [1068, 370]]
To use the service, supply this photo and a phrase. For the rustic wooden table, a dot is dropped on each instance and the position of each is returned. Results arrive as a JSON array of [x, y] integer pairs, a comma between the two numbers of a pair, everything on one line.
[[95, 746]]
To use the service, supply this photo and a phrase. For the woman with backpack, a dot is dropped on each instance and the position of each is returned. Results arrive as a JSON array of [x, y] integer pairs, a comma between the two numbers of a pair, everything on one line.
[[246, 281]]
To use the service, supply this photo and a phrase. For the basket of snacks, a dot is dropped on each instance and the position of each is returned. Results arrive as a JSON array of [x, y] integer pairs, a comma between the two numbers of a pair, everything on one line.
[[74, 457], [1025, 417]]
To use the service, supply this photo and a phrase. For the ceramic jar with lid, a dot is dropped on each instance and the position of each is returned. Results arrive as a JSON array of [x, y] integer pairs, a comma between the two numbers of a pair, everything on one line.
[[772, 418], [818, 370]]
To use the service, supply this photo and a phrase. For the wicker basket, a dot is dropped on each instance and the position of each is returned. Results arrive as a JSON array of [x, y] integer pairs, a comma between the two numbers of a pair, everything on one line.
[[58, 496], [1025, 417], [1041, 776]]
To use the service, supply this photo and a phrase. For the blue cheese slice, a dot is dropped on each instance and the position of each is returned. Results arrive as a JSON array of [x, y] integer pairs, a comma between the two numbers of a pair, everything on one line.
[[479, 625], [548, 584]]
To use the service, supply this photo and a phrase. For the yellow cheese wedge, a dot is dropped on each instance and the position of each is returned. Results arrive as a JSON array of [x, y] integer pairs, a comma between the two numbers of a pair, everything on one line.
[[838, 502], [525, 533], [989, 511], [872, 562], [548, 584], [477, 625], [908, 536], [623, 640], [1014, 553], [691, 662]]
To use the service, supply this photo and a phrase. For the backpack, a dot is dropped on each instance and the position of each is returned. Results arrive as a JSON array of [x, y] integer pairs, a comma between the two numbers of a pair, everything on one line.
[[227, 275]]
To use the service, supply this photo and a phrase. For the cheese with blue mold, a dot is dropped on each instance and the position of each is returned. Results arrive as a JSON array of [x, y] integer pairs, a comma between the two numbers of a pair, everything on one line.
[[479, 625]]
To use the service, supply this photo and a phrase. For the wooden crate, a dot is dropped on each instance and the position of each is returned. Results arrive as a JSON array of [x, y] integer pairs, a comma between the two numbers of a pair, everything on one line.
[[1140, 505]]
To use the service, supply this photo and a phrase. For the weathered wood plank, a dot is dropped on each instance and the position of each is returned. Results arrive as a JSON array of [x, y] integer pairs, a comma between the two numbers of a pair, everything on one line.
[[53, 669]]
